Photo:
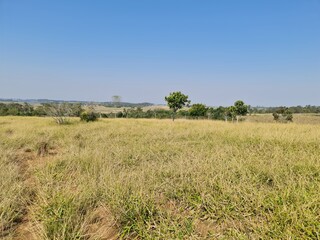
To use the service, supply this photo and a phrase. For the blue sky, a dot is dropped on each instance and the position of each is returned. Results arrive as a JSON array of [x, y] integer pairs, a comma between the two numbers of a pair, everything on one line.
[[264, 52]]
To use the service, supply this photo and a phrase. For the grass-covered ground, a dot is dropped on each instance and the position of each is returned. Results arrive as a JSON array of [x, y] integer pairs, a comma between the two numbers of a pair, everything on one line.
[[158, 179]]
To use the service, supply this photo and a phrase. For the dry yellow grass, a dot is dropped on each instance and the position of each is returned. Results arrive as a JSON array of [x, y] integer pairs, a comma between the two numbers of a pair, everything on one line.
[[158, 179]]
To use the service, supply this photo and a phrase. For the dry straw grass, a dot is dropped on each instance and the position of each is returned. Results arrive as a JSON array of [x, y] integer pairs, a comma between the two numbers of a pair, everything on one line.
[[155, 179]]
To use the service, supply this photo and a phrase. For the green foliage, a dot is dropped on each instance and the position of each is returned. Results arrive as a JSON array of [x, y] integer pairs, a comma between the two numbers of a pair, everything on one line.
[[283, 114], [231, 111], [218, 113], [198, 110], [139, 113], [293, 109], [119, 115], [240, 108], [89, 116], [275, 116], [16, 109], [175, 101]]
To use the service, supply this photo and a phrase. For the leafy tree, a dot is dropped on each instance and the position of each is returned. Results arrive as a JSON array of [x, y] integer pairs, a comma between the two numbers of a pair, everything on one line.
[[116, 99], [240, 109], [219, 113], [175, 101], [230, 113], [198, 110]]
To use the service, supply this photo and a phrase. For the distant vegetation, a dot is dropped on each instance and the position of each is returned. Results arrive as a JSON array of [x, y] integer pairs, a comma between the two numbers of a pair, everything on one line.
[[106, 104], [178, 103], [293, 109]]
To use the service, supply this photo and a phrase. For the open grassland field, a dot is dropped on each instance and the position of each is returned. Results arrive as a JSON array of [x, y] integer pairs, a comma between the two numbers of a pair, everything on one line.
[[158, 179]]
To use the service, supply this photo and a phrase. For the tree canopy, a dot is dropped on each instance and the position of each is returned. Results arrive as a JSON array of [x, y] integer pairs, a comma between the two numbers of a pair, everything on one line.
[[198, 110], [176, 101]]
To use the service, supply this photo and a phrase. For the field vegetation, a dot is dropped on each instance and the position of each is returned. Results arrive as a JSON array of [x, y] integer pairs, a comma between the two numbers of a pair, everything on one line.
[[158, 179]]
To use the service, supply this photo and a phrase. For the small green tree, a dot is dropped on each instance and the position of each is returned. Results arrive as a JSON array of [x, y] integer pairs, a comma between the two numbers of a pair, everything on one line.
[[231, 113], [175, 101], [198, 110], [240, 109]]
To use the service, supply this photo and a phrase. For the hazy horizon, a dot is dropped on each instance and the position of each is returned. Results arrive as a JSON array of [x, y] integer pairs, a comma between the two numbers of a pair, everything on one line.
[[266, 53]]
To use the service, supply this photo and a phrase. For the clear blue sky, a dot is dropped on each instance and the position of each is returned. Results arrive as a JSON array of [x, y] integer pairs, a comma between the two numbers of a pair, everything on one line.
[[264, 52]]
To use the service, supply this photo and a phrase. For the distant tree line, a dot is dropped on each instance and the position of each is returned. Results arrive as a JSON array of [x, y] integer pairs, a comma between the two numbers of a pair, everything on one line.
[[16, 109], [45, 109], [179, 107], [116, 102], [293, 109]]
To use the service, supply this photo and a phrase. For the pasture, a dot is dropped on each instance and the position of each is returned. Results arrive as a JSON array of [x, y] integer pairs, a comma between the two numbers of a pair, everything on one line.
[[158, 179]]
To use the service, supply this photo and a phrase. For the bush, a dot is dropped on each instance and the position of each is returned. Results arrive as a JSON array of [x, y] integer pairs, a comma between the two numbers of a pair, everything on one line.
[[275, 116], [283, 114], [198, 110], [88, 116], [119, 115]]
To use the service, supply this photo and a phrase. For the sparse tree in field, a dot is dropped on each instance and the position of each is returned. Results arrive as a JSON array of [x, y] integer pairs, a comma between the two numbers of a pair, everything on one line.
[[61, 111], [116, 99], [175, 101], [198, 110], [240, 109]]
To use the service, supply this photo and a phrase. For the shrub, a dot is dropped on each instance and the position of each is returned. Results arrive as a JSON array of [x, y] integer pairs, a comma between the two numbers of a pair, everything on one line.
[[283, 114], [198, 110], [88, 116], [275, 116], [119, 115]]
